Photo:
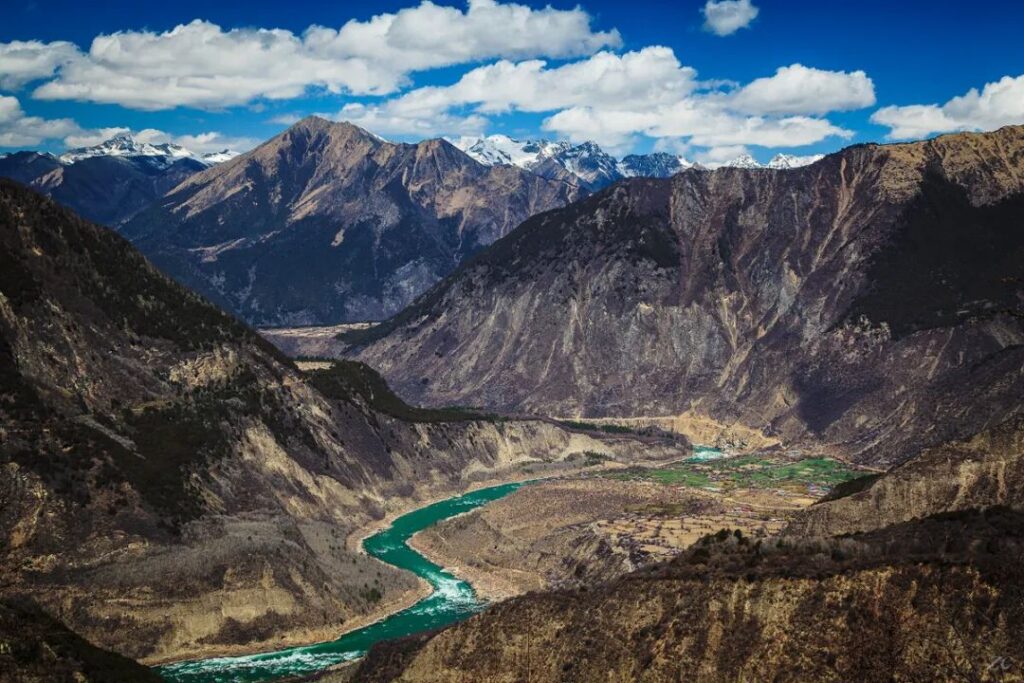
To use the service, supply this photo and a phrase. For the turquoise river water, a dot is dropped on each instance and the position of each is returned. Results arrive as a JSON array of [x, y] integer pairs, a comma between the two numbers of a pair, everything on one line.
[[452, 600]]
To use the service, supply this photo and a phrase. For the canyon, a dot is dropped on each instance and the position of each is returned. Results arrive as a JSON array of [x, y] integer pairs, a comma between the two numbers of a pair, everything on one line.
[[850, 333], [175, 486]]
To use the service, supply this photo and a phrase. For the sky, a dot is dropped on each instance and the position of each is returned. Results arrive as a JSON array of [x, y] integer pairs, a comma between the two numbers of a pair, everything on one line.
[[709, 80]]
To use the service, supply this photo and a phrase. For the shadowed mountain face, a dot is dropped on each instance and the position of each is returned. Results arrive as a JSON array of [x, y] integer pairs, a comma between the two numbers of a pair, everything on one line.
[[327, 223], [157, 454], [873, 301], [39, 649], [105, 189]]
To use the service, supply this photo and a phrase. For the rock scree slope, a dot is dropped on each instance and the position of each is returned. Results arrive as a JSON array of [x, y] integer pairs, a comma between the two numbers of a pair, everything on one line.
[[872, 301], [173, 486], [328, 223]]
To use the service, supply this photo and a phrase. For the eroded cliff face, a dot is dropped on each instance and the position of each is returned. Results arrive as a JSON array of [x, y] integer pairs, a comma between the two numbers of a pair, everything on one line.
[[327, 223], [933, 600], [871, 302], [173, 486]]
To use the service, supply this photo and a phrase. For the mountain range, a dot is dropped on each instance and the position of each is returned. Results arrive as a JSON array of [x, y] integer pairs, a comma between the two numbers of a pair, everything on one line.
[[593, 167], [328, 223], [786, 302], [110, 182], [325, 223]]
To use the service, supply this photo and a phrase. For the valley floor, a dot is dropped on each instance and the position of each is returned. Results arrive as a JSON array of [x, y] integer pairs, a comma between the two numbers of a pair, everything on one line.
[[595, 526]]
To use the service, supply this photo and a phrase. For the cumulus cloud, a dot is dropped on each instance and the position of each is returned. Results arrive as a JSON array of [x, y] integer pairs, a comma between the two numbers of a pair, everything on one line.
[[385, 120], [728, 16], [202, 65], [997, 104], [612, 98], [717, 156], [798, 89], [202, 143], [88, 138], [23, 61], [285, 119], [644, 78], [701, 121], [430, 36], [17, 129]]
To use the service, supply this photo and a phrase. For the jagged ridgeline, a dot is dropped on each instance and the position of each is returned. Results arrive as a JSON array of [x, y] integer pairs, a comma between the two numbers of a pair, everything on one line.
[[327, 223], [172, 485], [872, 301]]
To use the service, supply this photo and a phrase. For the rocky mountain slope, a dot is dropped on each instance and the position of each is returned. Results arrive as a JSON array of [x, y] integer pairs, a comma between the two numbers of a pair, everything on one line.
[[105, 189], [591, 166], [112, 181], [983, 470], [327, 223], [173, 486], [938, 599], [594, 168], [872, 302], [159, 154]]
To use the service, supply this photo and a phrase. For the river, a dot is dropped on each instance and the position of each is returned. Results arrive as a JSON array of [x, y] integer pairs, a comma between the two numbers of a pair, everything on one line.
[[452, 600]]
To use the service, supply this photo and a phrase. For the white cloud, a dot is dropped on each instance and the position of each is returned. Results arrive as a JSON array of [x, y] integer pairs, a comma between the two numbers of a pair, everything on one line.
[[430, 36], [285, 119], [701, 121], [20, 130], [716, 156], [677, 146], [202, 143], [386, 121], [614, 98], [997, 104], [88, 138], [23, 61], [17, 129], [798, 89], [202, 65], [644, 78], [728, 16]]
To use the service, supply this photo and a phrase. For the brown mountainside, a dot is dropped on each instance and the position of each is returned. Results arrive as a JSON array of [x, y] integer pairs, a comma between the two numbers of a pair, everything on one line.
[[327, 223], [933, 600], [106, 189], [873, 301], [172, 485]]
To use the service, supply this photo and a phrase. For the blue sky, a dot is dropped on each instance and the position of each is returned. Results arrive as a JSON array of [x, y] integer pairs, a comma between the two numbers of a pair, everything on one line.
[[705, 79]]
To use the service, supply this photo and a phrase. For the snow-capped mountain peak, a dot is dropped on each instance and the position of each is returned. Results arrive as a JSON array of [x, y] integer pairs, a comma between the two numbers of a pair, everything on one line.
[[501, 149], [778, 162], [586, 160], [785, 161], [219, 157], [594, 167], [128, 146], [654, 165], [743, 161]]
